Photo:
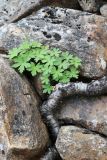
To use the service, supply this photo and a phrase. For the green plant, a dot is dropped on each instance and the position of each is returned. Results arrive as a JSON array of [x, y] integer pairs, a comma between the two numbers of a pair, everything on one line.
[[52, 64]]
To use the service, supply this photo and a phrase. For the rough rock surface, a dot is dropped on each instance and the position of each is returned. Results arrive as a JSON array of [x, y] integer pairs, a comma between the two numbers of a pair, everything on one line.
[[81, 33], [90, 112], [103, 10], [13, 10], [74, 143], [22, 132], [90, 5]]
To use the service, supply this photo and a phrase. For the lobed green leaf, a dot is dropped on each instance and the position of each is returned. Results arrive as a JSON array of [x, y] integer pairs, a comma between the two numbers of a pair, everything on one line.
[[51, 63]]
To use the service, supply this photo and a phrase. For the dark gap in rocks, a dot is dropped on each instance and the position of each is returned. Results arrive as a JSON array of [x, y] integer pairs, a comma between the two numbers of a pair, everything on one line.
[[50, 13], [35, 29], [57, 37], [3, 152], [80, 124], [38, 157], [3, 51], [84, 79], [80, 79], [30, 104], [6, 20], [26, 94], [30, 79], [47, 35], [51, 154], [89, 39], [23, 113], [56, 21], [16, 117], [68, 24], [5, 10], [79, 26]]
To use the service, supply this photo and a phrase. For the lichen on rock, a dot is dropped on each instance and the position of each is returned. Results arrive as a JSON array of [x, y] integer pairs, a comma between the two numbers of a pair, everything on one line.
[[22, 131]]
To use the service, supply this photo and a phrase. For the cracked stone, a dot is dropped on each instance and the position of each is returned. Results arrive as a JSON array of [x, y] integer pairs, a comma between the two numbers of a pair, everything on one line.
[[22, 132], [75, 143], [90, 112]]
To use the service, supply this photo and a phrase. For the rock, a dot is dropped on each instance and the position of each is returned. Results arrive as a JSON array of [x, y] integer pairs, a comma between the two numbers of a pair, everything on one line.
[[103, 10], [89, 5], [74, 143], [14, 10], [22, 132], [89, 112], [80, 33]]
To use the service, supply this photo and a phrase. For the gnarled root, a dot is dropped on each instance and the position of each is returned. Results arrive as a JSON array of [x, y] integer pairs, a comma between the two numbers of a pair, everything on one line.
[[96, 87]]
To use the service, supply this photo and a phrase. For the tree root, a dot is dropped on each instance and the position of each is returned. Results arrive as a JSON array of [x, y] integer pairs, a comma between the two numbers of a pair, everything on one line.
[[95, 87]]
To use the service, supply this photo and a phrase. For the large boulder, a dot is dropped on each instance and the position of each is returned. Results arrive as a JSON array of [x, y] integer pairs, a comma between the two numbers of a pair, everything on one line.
[[80, 33], [75, 143], [14, 10], [22, 132], [89, 112]]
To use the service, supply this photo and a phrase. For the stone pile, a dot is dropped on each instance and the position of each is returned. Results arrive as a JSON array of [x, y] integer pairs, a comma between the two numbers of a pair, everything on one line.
[[80, 27]]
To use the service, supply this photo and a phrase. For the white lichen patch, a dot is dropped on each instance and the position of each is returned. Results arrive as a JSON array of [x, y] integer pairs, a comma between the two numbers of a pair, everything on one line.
[[103, 63], [81, 86], [96, 83], [1, 147]]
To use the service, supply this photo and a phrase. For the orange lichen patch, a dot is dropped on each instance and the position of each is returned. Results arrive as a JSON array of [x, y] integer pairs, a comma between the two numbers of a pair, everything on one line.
[[100, 36]]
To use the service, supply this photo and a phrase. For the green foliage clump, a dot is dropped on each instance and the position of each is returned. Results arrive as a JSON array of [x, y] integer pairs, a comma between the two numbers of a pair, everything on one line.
[[52, 64]]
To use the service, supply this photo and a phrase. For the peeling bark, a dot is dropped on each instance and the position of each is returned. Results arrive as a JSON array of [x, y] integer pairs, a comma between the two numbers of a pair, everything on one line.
[[96, 87]]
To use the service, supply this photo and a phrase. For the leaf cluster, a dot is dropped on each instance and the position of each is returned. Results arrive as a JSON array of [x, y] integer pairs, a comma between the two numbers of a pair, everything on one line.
[[52, 64]]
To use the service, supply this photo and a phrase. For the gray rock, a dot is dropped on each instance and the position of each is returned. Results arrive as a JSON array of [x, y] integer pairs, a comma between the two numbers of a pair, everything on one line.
[[103, 10], [74, 143], [22, 132], [13, 10], [90, 112], [89, 5], [80, 33]]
